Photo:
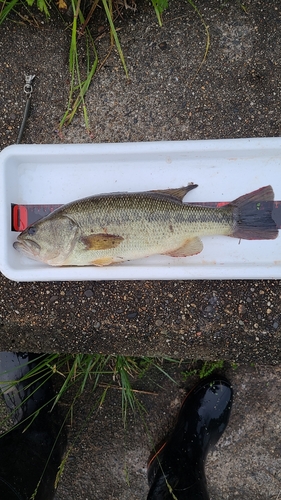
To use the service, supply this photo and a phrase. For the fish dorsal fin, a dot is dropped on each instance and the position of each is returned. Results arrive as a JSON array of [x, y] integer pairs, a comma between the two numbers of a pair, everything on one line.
[[178, 193]]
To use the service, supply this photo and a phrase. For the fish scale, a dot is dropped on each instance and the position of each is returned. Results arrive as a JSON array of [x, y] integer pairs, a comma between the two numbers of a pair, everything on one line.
[[148, 209]]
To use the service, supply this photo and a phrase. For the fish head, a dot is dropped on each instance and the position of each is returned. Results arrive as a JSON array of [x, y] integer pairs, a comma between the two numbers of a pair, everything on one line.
[[49, 240]]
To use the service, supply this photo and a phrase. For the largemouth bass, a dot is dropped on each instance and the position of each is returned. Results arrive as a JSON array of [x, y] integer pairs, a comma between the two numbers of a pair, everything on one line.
[[112, 228]]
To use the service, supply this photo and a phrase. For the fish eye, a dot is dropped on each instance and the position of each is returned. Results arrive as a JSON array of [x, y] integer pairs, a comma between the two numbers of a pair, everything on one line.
[[31, 230]]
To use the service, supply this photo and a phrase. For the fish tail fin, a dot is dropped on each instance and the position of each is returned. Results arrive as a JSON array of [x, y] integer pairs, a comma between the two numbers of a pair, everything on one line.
[[252, 215]]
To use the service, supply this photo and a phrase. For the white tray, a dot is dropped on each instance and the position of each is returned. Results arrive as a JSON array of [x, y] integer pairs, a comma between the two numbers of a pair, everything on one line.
[[223, 169]]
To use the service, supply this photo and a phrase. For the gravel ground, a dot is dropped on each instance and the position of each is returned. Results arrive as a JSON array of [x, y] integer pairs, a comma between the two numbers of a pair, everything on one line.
[[168, 96]]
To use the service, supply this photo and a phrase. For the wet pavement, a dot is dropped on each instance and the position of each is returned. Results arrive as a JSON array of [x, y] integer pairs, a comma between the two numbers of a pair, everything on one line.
[[169, 96]]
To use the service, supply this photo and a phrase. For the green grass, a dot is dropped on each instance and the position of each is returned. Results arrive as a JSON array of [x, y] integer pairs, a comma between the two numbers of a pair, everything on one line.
[[104, 371], [72, 373], [81, 40], [202, 369], [159, 7], [108, 372], [101, 374], [79, 86]]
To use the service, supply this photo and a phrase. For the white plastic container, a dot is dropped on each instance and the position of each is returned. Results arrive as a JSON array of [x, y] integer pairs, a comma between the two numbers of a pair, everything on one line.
[[223, 169]]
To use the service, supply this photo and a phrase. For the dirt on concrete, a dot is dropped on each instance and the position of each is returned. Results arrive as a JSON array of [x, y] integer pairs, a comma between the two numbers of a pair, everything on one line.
[[237, 321], [169, 95]]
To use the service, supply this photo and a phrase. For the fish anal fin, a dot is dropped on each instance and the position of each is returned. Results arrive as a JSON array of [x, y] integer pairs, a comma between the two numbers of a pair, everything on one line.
[[178, 193], [190, 247], [101, 241], [103, 261]]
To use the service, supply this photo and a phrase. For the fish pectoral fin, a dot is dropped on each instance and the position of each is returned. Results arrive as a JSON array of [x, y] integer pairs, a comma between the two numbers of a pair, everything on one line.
[[178, 193], [101, 241], [190, 247]]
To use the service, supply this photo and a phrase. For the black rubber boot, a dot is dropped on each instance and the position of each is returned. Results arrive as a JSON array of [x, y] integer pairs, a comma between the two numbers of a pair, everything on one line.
[[176, 471], [32, 451]]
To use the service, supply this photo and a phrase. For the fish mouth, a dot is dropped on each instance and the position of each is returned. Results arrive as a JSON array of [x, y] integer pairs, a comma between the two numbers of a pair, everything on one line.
[[28, 248]]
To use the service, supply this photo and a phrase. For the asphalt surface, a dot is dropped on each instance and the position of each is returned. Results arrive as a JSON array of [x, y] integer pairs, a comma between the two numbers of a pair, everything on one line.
[[169, 95]]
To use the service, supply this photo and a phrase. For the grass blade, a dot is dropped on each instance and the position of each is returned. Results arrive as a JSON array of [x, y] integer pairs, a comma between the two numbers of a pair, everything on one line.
[[115, 36], [74, 69], [207, 46], [6, 9], [159, 7]]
